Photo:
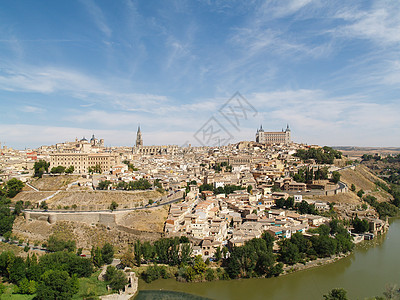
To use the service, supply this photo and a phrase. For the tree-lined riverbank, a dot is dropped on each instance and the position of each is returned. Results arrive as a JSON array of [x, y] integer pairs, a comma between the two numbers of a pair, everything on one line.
[[364, 273]]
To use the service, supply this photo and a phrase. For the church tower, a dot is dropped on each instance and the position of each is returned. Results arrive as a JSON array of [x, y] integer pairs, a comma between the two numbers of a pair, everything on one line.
[[139, 141], [287, 135]]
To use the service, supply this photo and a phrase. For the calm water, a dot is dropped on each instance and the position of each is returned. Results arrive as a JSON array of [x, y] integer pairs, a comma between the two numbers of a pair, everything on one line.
[[363, 274]]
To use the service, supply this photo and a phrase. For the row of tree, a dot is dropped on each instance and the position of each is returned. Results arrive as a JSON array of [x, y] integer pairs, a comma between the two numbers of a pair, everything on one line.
[[55, 275], [61, 169], [52, 276], [226, 189], [7, 216], [254, 259], [325, 155], [171, 251], [303, 207], [308, 174], [224, 165], [384, 209], [332, 239], [141, 184]]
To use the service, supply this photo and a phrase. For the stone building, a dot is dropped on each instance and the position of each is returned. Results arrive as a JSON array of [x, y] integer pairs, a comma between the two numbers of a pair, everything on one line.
[[277, 137], [82, 161], [139, 140], [152, 150]]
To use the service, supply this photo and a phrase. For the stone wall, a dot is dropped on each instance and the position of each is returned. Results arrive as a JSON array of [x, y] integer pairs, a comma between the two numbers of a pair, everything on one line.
[[104, 218]]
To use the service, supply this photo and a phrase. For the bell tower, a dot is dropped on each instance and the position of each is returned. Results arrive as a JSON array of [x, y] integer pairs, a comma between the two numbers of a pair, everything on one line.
[[139, 140]]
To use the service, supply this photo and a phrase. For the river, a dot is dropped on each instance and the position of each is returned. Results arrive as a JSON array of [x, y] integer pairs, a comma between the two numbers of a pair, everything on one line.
[[363, 274]]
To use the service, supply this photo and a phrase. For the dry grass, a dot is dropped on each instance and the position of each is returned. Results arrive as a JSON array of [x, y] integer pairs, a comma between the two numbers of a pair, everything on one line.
[[125, 199], [54, 183], [349, 198], [363, 179], [33, 197], [360, 177], [13, 248], [145, 220]]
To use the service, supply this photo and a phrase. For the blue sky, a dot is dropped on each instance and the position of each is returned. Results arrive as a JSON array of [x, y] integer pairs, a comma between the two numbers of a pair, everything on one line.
[[331, 69]]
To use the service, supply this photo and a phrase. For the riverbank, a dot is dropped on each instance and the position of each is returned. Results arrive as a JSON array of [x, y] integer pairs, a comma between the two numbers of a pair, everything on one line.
[[313, 263], [363, 273]]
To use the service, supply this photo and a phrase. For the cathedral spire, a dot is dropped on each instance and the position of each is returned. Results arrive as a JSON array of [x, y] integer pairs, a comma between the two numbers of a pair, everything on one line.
[[139, 140]]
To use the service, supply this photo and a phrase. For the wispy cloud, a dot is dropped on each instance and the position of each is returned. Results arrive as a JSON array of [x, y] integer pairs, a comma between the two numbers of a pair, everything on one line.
[[97, 16], [32, 109], [75, 84], [380, 24]]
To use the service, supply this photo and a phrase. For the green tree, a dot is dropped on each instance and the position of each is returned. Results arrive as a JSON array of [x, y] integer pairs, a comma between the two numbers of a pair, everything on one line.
[[360, 193], [13, 187], [116, 278], [113, 206], [241, 262], [324, 229], [218, 254], [6, 219], [302, 243], [55, 244], [57, 170], [2, 288], [107, 253], [66, 261], [16, 270], [43, 205], [210, 275], [152, 273], [70, 170], [269, 240], [147, 251], [289, 202], [19, 205], [128, 259], [199, 265], [289, 252], [353, 187], [26, 286], [280, 203], [57, 284], [104, 184], [360, 226], [157, 184], [138, 252], [336, 294], [190, 274], [265, 263], [96, 256], [335, 177], [40, 167], [186, 252], [324, 245]]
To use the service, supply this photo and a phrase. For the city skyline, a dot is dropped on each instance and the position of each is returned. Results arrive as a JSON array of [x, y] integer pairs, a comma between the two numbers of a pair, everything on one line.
[[76, 68]]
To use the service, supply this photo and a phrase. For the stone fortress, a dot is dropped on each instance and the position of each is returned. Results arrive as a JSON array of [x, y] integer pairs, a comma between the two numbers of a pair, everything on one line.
[[273, 137]]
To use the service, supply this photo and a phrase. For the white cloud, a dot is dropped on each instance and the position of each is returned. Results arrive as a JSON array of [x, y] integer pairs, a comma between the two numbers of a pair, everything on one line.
[[32, 109], [77, 85], [381, 23], [21, 135], [97, 16]]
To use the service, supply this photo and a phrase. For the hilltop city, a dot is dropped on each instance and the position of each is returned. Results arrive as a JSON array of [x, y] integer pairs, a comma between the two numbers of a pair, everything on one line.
[[204, 202]]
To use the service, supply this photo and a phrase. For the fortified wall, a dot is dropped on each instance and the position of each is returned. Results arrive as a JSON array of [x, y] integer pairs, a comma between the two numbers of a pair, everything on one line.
[[90, 218]]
